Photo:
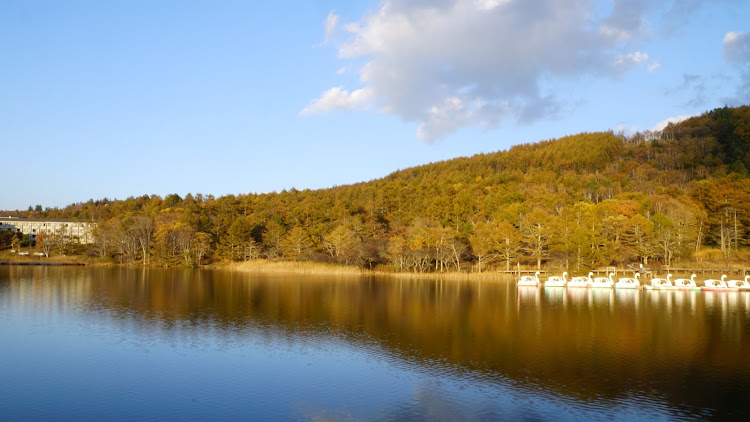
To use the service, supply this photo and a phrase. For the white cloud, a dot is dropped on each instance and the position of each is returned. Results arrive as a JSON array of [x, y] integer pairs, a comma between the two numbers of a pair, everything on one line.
[[626, 21], [332, 21], [737, 51], [456, 112], [631, 59], [737, 47], [676, 119], [447, 64], [489, 4], [732, 37], [653, 66], [339, 99]]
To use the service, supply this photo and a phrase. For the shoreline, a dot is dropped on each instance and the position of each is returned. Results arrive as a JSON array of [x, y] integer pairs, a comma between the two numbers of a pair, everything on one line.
[[263, 266], [44, 264]]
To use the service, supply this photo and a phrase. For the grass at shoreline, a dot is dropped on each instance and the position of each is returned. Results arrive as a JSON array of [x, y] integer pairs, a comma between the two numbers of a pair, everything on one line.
[[293, 267], [315, 268], [9, 258], [708, 259]]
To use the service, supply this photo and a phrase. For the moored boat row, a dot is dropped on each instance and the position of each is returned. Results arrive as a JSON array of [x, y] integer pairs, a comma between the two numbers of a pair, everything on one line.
[[656, 283]]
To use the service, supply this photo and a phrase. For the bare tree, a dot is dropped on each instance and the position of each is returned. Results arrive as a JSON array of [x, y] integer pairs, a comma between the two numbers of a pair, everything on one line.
[[183, 238], [143, 233], [536, 230], [457, 250], [44, 243], [104, 236]]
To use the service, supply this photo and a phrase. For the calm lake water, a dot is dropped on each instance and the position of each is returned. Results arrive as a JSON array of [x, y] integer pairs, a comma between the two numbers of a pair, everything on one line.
[[131, 344]]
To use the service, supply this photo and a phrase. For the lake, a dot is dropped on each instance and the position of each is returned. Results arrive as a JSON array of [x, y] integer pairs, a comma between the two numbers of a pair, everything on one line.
[[83, 343]]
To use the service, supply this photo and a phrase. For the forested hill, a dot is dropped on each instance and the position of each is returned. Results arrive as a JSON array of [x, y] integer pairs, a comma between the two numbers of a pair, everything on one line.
[[578, 202]]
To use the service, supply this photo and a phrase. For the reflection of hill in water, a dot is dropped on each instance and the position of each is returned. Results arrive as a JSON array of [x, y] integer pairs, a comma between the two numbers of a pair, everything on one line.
[[592, 344]]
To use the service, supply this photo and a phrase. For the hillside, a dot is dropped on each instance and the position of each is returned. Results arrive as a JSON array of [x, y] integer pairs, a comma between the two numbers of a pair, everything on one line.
[[578, 202]]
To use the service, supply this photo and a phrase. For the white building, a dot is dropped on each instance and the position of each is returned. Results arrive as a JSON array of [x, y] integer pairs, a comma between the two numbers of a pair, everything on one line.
[[75, 230]]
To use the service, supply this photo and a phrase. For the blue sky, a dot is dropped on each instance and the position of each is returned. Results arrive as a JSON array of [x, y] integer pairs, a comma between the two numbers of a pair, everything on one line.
[[124, 98]]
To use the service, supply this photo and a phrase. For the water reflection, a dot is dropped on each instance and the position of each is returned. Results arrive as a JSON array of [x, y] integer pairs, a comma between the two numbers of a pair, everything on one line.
[[578, 296], [628, 297], [675, 353]]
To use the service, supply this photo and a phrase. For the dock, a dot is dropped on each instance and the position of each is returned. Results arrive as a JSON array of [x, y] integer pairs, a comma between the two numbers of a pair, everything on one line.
[[644, 272]]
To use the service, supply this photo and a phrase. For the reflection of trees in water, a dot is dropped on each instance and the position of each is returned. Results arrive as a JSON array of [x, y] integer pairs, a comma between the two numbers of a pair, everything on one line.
[[590, 343]]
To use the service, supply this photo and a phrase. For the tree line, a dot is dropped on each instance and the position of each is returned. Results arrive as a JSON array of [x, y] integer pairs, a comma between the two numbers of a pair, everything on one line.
[[574, 203]]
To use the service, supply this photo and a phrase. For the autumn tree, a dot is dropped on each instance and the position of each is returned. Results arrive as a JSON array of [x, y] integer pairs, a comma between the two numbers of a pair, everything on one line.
[[201, 246], [726, 233], [640, 235], [536, 231], [143, 233], [272, 237], [397, 249], [340, 243], [417, 237], [508, 242], [135, 235], [104, 236], [126, 245], [665, 235], [44, 243], [183, 237], [458, 250], [15, 242], [296, 243], [239, 244], [438, 240], [165, 247], [483, 242]]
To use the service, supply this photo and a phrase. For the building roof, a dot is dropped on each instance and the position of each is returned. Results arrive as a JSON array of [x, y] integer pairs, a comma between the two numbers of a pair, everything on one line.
[[11, 219]]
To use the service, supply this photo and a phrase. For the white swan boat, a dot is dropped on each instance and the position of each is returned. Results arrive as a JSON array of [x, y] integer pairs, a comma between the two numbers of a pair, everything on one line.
[[557, 281], [686, 284], [529, 280], [741, 285], [603, 282], [629, 282], [714, 285], [580, 281], [660, 283]]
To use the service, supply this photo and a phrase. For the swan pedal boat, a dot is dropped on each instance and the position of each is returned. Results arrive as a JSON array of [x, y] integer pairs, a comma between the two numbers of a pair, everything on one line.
[[557, 281], [629, 282], [713, 285], [603, 282], [580, 281], [660, 283], [529, 280], [741, 285], [686, 284]]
